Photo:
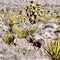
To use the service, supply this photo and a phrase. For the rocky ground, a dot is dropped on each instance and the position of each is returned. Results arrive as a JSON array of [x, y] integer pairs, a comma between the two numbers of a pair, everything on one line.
[[24, 50], [15, 3]]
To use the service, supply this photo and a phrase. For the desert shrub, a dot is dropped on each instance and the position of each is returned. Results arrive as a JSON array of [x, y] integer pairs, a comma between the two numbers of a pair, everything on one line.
[[53, 49], [12, 19], [22, 17], [21, 33], [35, 12], [8, 38]]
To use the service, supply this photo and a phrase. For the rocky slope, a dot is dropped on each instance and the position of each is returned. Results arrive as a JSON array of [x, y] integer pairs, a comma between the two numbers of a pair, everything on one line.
[[5, 3], [24, 50]]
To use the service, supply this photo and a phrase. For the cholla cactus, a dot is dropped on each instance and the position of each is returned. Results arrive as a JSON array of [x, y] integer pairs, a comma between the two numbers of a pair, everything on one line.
[[35, 11]]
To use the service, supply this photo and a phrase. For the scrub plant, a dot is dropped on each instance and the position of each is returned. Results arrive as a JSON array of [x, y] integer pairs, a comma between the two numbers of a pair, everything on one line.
[[11, 19], [8, 38], [35, 12], [19, 31], [22, 33], [9, 35], [53, 49]]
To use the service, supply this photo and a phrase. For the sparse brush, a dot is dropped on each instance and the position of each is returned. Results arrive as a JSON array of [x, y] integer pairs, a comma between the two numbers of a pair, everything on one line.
[[53, 49], [34, 12], [22, 18], [12, 19], [8, 38], [21, 33]]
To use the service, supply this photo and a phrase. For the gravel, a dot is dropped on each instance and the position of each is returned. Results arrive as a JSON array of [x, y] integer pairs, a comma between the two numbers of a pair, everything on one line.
[[23, 49]]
